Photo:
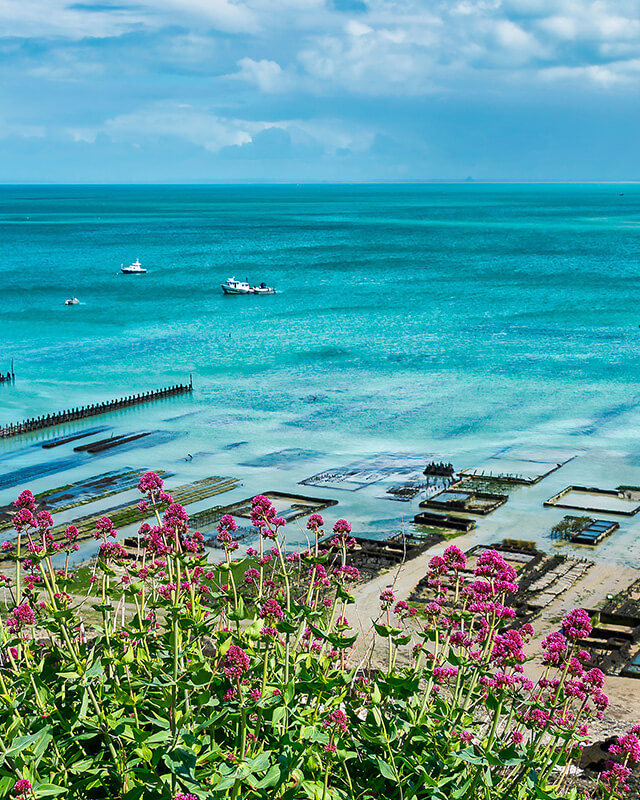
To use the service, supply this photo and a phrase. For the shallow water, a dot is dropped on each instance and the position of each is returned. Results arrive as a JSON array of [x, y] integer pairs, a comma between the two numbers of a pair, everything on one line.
[[444, 321]]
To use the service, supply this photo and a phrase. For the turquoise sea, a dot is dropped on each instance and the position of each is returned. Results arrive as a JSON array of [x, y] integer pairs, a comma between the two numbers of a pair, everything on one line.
[[452, 321]]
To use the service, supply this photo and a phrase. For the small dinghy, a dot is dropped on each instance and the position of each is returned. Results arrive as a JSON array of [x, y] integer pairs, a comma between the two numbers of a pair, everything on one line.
[[263, 289], [72, 301]]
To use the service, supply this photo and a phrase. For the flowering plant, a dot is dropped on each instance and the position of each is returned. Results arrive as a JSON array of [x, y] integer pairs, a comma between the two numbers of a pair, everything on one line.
[[175, 679]]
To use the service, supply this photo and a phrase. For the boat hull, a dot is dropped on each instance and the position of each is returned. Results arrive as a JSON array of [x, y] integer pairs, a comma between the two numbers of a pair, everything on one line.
[[126, 271]]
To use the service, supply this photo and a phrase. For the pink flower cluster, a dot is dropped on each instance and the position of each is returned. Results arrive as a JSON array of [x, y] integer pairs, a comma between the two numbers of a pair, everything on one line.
[[150, 484], [337, 720], [264, 517], [112, 551], [271, 610], [104, 528], [387, 598], [226, 528], [577, 625], [22, 788], [20, 617], [235, 662], [315, 523], [25, 500], [627, 747]]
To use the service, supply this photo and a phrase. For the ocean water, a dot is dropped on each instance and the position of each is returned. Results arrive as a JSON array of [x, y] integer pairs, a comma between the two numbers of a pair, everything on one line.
[[447, 321]]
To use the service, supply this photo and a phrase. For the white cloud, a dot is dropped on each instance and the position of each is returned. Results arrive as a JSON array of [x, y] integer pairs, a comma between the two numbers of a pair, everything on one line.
[[194, 125], [604, 76], [372, 60], [267, 75], [391, 47], [206, 129]]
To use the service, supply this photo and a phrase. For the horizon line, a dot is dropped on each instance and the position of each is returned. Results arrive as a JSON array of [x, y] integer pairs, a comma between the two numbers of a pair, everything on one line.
[[380, 182]]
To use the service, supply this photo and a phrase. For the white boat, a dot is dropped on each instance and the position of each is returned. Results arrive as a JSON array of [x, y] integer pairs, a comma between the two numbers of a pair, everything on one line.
[[263, 289], [133, 269], [232, 286], [72, 301]]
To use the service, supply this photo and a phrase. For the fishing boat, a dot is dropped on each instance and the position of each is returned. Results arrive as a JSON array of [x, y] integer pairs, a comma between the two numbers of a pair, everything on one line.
[[233, 286], [133, 269], [72, 301]]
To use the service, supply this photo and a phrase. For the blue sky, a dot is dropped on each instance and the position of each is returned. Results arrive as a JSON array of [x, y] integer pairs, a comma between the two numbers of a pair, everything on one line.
[[307, 90]]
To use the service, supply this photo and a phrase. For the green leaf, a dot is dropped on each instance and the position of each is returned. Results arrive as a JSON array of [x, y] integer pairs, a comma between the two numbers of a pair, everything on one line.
[[181, 762], [253, 631], [540, 793], [49, 790], [94, 670], [272, 777], [461, 791], [241, 612], [469, 755], [260, 762], [343, 594], [289, 692], [386, 770], [225, 783], [386, 630], [23, 742]]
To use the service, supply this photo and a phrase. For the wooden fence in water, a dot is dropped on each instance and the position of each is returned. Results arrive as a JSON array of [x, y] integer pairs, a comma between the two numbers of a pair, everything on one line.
[[48, 421]]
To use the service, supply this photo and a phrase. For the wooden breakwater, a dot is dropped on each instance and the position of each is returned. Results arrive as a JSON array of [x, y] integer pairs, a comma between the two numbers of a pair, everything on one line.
[[10, 377], [39, 423]]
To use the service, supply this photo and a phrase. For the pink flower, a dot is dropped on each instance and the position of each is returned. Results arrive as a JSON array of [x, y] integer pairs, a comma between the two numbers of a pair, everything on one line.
[[21, 787], [387, 598], [337, 719], [251, 576], [225, 539], [112, 551], [577, 625], [25, 500], [315, 522], [20, 616], [615, 776], [227, 523], [454, 558], [342, 527], [627, 747], [71, 533], [150, 483], [104, 528], [23, 519], [235, 662], [271, 609]]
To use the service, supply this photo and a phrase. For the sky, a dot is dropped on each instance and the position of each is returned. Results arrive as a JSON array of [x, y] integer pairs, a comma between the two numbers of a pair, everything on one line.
[[319, 90]]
